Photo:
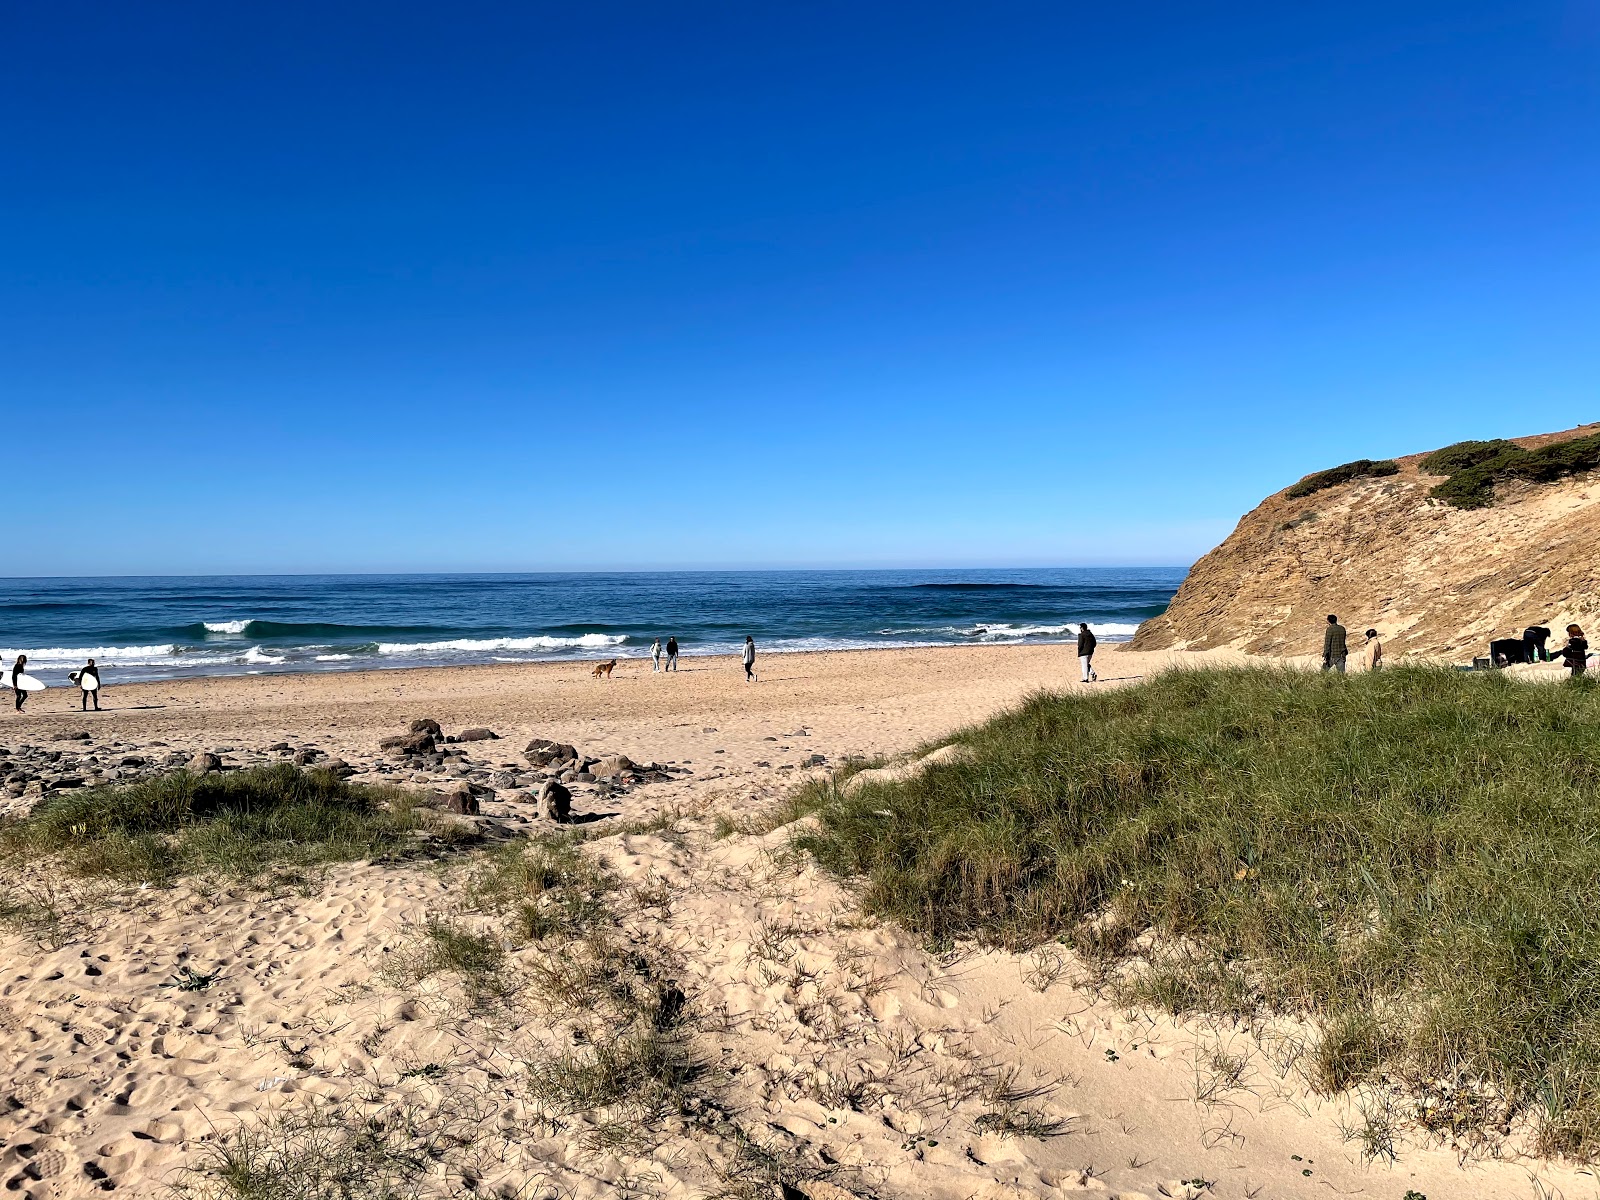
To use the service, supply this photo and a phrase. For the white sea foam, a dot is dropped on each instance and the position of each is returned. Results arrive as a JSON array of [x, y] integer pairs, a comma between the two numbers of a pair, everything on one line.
[[225, 626], [333, 657], [53, 655], [589, 641], [257, 655]]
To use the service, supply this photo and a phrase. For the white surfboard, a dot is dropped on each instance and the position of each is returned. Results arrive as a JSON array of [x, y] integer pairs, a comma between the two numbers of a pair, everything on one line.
[[27, 683], [89, 683]]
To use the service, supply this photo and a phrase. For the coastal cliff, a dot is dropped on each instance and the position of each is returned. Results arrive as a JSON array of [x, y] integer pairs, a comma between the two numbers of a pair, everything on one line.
[[1434, 578]]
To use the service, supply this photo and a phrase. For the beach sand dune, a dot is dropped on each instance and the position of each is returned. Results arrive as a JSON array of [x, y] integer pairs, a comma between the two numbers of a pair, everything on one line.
[[837, 1055]]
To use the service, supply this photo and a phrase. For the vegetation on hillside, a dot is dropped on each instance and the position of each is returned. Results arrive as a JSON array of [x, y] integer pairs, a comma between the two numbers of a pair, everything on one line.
[[1333, 476], [1474, 468], [1406, 856]]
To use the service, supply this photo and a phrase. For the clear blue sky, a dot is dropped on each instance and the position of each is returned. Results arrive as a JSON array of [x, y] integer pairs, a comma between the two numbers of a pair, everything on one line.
[[542, 286]]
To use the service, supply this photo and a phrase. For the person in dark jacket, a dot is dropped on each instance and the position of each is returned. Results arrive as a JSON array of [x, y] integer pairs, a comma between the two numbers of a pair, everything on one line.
[[1535, 637], [1086, 645], [1335, 649], [90, 672], [19, 668], [672, 654], [749, 658], [1575, 654]]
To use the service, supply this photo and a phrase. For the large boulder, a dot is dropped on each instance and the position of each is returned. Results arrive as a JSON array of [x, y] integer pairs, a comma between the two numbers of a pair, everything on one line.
[[477, 735], [541, 752], [460, 799], [204, 763], [555, 802], [615, 764], [427, 725], [408, 743]]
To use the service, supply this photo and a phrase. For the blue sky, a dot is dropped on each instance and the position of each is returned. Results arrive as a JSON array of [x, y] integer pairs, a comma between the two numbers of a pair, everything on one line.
[[535, 286]]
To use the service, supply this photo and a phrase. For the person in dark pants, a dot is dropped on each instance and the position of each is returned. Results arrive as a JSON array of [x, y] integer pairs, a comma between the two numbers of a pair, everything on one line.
[[90, 672], [1086, 645], [1335, 649], [749, 658], [1575, 654], [1535, 637], [672, 654], [18, 669]]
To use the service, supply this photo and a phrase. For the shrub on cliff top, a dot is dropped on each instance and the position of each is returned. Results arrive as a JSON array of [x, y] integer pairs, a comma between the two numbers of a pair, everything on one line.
[[1474, 468], [1408, 853], [1344, 474]]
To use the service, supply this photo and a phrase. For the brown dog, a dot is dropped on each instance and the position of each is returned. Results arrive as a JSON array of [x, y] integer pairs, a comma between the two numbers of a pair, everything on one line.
[[605, 669]]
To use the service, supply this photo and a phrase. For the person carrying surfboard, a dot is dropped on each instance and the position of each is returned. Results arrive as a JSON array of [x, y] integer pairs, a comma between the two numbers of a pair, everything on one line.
[[89, 683]]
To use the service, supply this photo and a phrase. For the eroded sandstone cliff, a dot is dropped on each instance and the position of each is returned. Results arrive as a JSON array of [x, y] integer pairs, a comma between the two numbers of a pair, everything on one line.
[[1379, 552]]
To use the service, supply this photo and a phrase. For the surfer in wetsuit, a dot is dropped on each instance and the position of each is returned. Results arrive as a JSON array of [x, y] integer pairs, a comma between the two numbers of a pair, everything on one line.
[[90, 672], [18, 670]]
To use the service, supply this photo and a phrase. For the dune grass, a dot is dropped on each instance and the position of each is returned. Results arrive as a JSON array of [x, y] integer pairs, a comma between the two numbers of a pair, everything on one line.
[[1410, 857], [234, 825]]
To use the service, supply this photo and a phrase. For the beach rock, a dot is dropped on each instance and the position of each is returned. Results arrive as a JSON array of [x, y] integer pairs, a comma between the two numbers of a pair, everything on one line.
[[426, 725], [616, 764], [584, 776], [339, 767], [503, 779], [79, 735], [555, 802], [477, 735], [460, 799], [130, 760], [409, 743], [541, 752], [304, 757], [204, 763]]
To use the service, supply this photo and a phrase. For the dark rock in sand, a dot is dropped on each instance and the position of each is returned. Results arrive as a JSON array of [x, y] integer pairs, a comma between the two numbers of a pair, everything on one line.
[[304, 757], [540, 752], [477, 735], [616, 764], [130, 760], [409, 743], [426, 725], [204, 763], [555, 802], [460, 799]]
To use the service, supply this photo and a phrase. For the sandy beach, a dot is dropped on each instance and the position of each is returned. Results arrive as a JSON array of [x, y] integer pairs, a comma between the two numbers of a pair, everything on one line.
[[841, 1044]]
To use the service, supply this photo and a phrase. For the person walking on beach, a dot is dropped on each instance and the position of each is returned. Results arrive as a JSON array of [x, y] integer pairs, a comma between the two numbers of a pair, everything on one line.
[[90, 672], [655, 656], [1374, 649], [1575, 654], [750, 659], [1086, 645], [672, 654], [18, 670], [1334, 647]]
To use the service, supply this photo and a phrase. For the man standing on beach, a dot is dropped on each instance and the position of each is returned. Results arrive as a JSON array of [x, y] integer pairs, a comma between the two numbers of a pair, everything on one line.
[[1086, 645], [672, 654], [750, 659], [1334, 647], [91, 672]]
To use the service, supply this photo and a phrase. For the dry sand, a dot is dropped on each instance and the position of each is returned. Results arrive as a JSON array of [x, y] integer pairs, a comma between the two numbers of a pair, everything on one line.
[[840, 1043]]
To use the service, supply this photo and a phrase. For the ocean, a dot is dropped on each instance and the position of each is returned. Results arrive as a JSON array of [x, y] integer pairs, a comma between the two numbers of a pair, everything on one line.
[[170, 627]]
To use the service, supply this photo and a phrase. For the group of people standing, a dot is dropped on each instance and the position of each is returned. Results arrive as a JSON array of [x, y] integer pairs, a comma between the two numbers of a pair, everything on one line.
[[1574, 655], [671, 649], [1336, 648]]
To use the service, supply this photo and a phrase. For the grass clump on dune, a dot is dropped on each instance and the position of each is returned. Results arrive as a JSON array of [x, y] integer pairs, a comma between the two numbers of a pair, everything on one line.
[[1474, 468], [233, 824], [1409, 856]]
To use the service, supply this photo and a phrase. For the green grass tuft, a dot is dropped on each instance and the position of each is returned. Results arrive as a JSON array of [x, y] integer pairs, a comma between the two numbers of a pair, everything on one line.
[[1409, 855], [1474, 468], [235, 824]]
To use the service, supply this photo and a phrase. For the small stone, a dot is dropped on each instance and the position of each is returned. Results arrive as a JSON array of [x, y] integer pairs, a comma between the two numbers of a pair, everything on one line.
[[204, 763]]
